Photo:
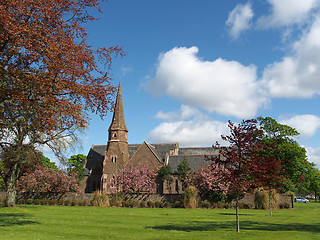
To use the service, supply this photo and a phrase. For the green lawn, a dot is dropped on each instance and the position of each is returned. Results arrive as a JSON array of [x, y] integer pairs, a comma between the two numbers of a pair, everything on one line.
[[62, 222]]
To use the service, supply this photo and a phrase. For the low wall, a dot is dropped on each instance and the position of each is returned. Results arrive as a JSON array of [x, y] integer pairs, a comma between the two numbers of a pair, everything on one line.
[[248, 199]]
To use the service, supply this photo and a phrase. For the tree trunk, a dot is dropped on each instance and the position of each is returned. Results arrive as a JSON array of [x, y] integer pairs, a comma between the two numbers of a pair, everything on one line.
[[237, 214], [315, 196], [11, 181], [270, 207]]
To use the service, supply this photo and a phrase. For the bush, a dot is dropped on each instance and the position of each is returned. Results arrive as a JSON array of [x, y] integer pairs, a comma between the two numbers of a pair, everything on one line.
[[261, 199], [167, 205], [43, 201], [36, 201], [158, 204], [117, 199], [190, 197], [142, 204], [74, 203], [244, 206], [100, 200], [52, 202], [84, 203], [29, 201], [21, 201], [150, 204], [61, 202], [177, 204], [205, 204], [66, 202]]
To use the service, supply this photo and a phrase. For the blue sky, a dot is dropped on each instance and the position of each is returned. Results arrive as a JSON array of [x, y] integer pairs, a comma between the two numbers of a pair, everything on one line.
[[193, 65]]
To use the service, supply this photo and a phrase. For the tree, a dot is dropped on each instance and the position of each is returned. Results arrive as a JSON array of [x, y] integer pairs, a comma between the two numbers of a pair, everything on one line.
[[50, 79], [76, 166], [44, 179], [246, 165], [165, 174], [310, 184], [137, 180], [292, 156], [47, 163], [183, 169]]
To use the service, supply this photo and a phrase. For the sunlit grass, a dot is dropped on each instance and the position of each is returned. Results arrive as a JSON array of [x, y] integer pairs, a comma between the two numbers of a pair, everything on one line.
[[62, 222]]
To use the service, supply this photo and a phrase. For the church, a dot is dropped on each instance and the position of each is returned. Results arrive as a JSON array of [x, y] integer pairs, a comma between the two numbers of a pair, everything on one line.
[[104, 162]]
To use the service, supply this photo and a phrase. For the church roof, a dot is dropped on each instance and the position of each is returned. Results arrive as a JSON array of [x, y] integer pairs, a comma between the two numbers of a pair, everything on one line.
[[96, 153], [118, 122], [198, 151], [195, 161]]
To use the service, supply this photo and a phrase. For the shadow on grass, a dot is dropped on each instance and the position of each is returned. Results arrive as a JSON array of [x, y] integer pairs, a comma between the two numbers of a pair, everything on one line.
[[12, 219], [244, 225]]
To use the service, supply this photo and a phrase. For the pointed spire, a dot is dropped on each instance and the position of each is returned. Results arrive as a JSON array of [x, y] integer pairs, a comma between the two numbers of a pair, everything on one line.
[[118, 122]]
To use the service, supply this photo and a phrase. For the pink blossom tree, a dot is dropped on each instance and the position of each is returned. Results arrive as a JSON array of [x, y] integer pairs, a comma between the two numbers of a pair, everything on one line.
[[44, 179], [137, 180]]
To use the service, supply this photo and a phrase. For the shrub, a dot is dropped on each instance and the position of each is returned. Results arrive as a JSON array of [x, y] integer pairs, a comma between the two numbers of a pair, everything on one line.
[[29, 201], [287, 205], [43, 201], [244, 206], [261, 199], [100, 200], [117, 199], [205, 204], [22, 201], [61, 202], [190, 197], [142, 204], [150, 204], [158, 204], [177, 204], [36, 201], [66, 202], [52, 202], [84, 203], [167, 205]]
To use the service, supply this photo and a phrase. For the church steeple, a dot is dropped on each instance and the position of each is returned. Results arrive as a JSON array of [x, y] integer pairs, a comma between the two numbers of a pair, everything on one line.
[[118, 129]]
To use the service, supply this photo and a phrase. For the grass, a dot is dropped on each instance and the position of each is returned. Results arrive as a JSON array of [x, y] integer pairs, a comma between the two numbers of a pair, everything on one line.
[[63, 222]]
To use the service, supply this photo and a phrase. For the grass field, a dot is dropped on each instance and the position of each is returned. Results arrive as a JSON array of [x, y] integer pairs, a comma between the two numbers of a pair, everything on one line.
[[66, 222]]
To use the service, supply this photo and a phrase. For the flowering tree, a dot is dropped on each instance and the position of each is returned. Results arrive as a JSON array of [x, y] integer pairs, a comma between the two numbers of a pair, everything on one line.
[[209, 180], [50, 79], [44, 179], [137, 180]]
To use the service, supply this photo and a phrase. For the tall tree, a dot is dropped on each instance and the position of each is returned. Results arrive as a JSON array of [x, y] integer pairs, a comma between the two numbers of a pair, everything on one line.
[[50, 78], [76, 166], [288, 151]]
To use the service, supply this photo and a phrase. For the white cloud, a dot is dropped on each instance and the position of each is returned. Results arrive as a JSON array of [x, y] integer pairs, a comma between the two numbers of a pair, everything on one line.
[[288, 12], [197, 130], [307, 125], [314, 155], [297, 75], [239, 19], [226, 87], [184, 113]]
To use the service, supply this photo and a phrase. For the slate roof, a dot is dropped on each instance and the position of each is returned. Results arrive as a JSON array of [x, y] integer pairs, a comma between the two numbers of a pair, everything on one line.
[[195, 161], [198, 151], [96, 153]]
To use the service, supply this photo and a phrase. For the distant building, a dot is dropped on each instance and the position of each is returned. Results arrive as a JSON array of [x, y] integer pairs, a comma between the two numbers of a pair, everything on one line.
[[105, 161]]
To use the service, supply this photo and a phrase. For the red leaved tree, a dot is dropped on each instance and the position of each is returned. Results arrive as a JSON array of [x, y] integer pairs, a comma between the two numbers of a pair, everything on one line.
[[50, 78], [246, 161], [137, 180]]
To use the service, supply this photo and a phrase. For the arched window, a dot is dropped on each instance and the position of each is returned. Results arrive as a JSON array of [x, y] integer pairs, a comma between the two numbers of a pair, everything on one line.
[[115, 135], [115, 159], [177, 185]]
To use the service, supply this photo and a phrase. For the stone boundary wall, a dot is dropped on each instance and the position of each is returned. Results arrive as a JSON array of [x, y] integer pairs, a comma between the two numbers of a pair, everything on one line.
[[248, 198]]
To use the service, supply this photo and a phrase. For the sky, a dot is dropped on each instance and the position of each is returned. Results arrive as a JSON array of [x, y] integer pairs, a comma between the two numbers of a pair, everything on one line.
[[193, 65]]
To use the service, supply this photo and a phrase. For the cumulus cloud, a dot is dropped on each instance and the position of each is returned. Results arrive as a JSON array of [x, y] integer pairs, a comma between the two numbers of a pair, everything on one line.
[[288, 12], [226, 87], [297, 75], [314, 155], [239, 19], [307, 124], [195, 130]]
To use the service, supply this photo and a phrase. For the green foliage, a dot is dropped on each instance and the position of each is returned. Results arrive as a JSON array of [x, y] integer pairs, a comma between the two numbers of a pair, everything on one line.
[[292, 156], [76, 166], [183, 169], [46, 163], [117, 199]]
